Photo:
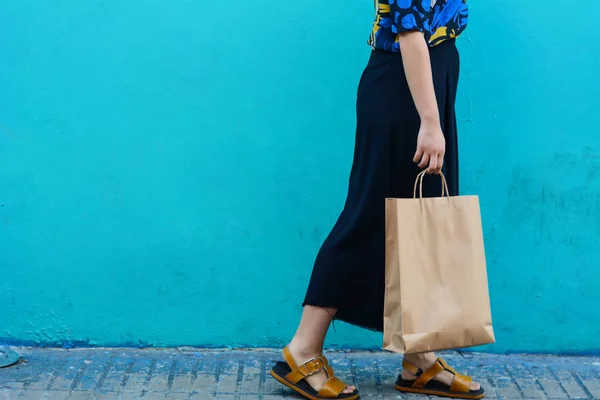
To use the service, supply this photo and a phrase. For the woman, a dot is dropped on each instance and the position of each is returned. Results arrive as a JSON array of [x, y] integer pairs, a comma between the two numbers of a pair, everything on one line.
[[405, 123]]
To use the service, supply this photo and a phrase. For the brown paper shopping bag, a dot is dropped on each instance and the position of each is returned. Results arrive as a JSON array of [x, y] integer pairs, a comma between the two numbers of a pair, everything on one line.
[[436, 288]]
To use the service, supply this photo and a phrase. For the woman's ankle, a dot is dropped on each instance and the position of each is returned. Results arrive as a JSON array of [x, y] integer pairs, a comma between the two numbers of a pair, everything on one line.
[[421, 360], [304, 349]]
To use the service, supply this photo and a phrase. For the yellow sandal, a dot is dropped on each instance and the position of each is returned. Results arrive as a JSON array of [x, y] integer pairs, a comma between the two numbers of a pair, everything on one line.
[[424, 384], [293, 376]]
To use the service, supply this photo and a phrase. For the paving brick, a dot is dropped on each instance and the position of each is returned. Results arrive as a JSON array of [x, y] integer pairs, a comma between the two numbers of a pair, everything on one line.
[[229, 366], [112, 383], [207, 362], [569, 384], [68, 374], [271, 387], [158, 383], [227, 384], [201, 396], [253, 365], [490, 389], [136, 373], [553, 389], [506, 388], [88, 383], [368, 386], [591, 384], [95, 371], [28, 395], [56, 395], [7, 394], [387, 386], [62, 383], [250, 384], [78, 395], [136, 382], [548, 382], [406, 396], [157, 396], [14, 384], [40, 382], [106, 396], [178, 396], [129, 396], [204, 383], [183, 383], [163, 367], [526, 382]]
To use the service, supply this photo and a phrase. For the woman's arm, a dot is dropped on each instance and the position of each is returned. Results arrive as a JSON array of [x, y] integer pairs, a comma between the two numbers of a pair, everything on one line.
[[431, 145]]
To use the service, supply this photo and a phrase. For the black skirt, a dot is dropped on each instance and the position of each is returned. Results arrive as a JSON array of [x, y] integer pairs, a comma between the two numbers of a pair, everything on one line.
[[349, 272]]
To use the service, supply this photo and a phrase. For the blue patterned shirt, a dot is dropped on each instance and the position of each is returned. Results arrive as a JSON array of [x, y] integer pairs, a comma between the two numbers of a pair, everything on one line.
[[440, 22]]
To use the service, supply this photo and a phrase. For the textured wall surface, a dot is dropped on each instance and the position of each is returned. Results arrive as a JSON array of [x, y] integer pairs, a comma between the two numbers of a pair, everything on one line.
[[169, 169]]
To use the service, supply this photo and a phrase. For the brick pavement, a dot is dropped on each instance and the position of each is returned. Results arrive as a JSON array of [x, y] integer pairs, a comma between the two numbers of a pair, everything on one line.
[[53, 374]]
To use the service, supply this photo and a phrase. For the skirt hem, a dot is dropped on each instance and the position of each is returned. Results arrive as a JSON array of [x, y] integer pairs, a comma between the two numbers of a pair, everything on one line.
[[345, 318]]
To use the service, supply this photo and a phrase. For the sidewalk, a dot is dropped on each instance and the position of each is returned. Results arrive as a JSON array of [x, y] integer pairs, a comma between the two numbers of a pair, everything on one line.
[[211, 374]]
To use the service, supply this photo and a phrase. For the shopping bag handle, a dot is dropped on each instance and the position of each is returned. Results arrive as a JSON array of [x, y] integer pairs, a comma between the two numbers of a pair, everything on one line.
[[419, 184]]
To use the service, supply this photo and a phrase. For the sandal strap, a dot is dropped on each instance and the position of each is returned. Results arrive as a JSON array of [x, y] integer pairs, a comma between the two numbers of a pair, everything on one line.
[[461, 384], [287, 357], [309, 368], [446, 366], [413, 369], [332, 389], [428, 375]]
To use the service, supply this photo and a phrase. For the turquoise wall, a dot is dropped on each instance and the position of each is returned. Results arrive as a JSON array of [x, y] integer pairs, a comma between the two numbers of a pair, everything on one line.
[[168, 170]]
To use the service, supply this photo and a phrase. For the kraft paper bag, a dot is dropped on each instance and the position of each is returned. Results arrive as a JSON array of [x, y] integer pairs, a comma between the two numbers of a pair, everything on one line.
[[436, 287]]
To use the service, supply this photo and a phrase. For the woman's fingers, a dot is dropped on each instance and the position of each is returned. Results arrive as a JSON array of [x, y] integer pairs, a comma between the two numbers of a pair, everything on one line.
[[432, 160], [440, 163], [433, 164], [418, 155], [424, 160]]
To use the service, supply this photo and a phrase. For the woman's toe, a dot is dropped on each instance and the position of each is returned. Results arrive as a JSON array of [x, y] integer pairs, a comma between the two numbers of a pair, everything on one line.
[[475, 386], [349, 389]]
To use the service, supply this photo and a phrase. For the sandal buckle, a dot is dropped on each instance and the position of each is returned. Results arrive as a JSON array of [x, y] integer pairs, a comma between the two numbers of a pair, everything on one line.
[[318, 366]]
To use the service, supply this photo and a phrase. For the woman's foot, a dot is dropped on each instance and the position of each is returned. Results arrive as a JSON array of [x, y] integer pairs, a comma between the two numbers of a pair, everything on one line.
[[424, 361], [301, 354]]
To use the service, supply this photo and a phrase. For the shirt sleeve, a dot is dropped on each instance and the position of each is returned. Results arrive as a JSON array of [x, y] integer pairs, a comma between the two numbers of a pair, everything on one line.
[[410, 15]]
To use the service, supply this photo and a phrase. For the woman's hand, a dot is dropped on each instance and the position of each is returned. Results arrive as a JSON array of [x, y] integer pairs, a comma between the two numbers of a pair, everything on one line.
[[431, 147]]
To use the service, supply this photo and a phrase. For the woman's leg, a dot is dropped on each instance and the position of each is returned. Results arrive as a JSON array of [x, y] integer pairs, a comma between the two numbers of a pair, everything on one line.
[[309, 339]]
